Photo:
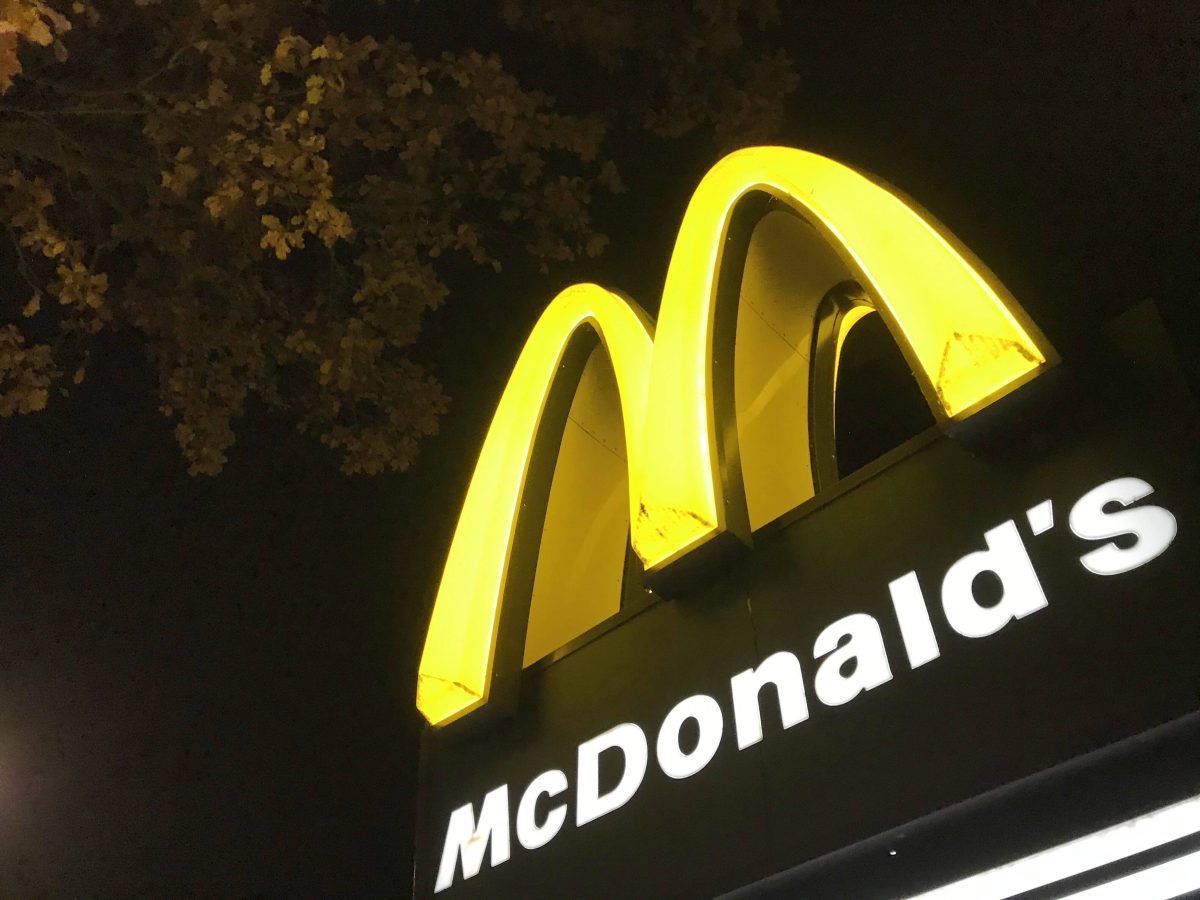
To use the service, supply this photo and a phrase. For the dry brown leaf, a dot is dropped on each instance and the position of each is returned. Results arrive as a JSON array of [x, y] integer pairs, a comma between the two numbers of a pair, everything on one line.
[[10, 64]]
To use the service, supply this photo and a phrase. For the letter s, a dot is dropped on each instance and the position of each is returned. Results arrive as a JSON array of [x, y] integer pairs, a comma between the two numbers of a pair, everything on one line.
[[1153, 527]]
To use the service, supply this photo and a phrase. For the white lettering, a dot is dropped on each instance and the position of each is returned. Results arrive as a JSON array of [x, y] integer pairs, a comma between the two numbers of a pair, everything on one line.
[[780, 669], [529, 832], [467, 839], [707, 713], [631, 741], [852, 659], [920, 643], [1153, 527], [1007, 559], [855, 640]]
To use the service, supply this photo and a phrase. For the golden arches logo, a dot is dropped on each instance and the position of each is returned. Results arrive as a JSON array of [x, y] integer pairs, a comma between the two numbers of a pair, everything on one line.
[[964, 337]]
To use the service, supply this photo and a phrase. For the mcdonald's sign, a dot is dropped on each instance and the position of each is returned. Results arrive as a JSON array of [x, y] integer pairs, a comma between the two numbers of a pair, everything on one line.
[[680, 650], [964, 337]]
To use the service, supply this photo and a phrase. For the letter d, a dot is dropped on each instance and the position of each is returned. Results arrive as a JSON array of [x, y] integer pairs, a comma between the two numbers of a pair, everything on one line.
[[631, 741], [1006, 558]]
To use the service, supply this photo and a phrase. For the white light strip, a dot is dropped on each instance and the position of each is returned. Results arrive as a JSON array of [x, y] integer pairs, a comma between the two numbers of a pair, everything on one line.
[[1082, 855], [1165, 881]]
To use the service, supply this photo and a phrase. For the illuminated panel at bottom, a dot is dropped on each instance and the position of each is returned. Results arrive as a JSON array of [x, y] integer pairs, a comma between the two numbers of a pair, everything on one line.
[[1167, 880], [1164, 880]]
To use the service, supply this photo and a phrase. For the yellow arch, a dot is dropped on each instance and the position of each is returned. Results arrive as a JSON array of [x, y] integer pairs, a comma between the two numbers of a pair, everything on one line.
[[456, 664], [965, 338]]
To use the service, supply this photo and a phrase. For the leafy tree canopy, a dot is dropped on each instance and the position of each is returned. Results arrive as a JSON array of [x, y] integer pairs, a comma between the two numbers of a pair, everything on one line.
[[271, 195]]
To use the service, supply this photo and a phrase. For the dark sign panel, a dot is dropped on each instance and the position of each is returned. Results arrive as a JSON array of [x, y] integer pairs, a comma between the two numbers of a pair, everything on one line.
[[968, 612]]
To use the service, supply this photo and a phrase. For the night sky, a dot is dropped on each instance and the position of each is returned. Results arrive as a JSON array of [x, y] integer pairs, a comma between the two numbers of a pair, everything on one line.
[[206, 685]]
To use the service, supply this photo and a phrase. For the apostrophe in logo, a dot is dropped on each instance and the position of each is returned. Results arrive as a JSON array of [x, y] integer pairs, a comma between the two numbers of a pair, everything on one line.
[[765, 223]]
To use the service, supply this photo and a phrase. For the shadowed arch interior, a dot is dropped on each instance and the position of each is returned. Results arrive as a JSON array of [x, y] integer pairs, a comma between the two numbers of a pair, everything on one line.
[[789, 269], [585, 536]]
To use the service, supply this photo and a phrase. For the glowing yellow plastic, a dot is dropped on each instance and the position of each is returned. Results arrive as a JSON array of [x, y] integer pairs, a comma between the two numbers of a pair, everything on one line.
[[959, 330], [457, 661], [850, 318], [956, 327]]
